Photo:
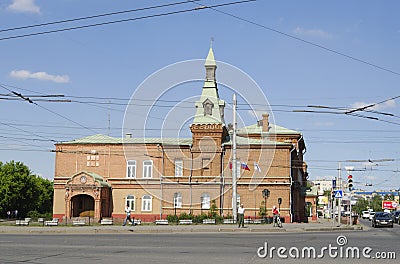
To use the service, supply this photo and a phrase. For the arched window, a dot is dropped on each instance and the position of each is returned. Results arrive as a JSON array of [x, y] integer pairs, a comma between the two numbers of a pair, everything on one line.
[[130, 201], [131, 169], [147, 203], [205, 201]]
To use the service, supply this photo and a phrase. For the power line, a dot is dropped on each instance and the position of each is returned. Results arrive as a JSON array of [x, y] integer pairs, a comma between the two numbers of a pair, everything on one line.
[[124, 20], [95, 16], [305, 41]]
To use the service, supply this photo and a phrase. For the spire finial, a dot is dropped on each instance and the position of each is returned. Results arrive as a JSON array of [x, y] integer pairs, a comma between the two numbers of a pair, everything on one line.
[[211, 42]]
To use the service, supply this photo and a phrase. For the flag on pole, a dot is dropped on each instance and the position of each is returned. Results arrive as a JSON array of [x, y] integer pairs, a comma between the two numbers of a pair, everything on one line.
[[245, 167], [256, 167]]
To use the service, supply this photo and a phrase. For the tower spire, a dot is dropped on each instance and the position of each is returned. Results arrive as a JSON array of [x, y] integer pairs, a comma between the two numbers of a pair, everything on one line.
[[209, 108]]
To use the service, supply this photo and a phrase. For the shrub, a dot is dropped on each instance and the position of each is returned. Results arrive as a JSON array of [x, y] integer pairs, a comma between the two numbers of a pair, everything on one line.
[[199, 218], [172, 218]]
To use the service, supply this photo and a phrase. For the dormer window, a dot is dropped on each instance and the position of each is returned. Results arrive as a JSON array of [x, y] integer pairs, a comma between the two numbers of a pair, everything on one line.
[[208, 106]]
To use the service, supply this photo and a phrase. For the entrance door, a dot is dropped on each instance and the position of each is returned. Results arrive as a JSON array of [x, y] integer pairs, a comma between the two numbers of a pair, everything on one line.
[[82, 206]]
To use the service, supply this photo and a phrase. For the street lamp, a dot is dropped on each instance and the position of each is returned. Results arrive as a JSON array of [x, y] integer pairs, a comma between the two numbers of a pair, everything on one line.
[[279, 203], [265, 194]]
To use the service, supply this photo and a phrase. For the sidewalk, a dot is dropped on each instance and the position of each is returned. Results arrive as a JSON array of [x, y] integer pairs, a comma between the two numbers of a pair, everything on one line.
[[324, 225]]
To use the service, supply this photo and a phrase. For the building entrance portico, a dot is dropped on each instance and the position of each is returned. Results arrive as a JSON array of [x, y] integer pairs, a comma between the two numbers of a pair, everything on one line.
[[87, 195], [82, 204]]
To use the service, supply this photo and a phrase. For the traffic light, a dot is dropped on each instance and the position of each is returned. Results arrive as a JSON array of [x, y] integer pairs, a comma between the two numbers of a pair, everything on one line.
[[350, 182]]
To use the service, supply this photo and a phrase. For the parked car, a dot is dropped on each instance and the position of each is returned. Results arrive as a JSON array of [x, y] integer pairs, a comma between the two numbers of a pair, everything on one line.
[[395, 216], [365, 214], [371, 215], [382, 219]]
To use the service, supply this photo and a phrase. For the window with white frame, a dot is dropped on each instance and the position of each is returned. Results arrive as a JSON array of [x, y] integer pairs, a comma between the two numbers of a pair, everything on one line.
[[131, 169], [147, 169], [130, 201], [205, 201], [92, 160], [147, 201], [177, 200], [178, 168]]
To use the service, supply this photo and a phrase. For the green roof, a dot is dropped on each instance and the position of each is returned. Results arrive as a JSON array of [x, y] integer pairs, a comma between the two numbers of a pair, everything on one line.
[[273, 129], [103, 139], [254, 141], [210, 60]]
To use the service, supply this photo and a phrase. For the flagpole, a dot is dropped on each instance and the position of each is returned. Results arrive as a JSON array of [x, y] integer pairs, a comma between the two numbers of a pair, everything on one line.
[[234, 163]]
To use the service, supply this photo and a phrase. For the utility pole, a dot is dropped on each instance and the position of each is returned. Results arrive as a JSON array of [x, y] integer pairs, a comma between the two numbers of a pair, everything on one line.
[[234, 163], [340, 188]]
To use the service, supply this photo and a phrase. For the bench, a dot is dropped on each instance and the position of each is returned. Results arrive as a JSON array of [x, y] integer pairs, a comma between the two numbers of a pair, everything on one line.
[[228, 221], [53, 222], [21, 222], [248, 221], [106, 221], [258, 221], [208, 221], [185, 222], [78, 222], [137, 221], [161, 222]]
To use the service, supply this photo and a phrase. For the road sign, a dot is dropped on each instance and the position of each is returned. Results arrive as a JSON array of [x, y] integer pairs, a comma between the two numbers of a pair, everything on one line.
[[338, 194]]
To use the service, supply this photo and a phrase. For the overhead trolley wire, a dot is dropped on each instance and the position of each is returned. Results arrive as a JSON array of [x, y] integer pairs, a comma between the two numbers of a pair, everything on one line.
[[125, 20]]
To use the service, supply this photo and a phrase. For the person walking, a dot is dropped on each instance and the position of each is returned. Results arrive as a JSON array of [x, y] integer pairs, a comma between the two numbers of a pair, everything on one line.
[[128, 215], [241, 216]]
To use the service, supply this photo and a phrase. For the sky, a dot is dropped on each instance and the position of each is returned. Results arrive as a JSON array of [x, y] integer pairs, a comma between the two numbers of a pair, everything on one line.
[[339, 56]]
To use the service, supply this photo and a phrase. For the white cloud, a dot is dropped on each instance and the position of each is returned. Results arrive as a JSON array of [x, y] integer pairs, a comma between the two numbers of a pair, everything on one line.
[[43, 76], [385, 105], [319, 33], [24, 6]]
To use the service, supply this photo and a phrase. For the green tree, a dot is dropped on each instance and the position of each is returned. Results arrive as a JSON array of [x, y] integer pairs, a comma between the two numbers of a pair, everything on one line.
[[23, 191], [376, 203], [361, 205]]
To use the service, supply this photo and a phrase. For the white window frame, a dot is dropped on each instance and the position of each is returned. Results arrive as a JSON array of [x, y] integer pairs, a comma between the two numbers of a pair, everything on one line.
[[130, 201], [205, 201], [147, 203], [178, 168], [147, 169], [178, 200], [131, 169]]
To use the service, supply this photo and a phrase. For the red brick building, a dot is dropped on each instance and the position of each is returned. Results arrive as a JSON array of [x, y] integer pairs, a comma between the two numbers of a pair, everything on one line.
[[159, 177]]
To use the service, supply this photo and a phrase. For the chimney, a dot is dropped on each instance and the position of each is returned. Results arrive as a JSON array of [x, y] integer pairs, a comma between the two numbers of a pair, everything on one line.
[[265, 123]]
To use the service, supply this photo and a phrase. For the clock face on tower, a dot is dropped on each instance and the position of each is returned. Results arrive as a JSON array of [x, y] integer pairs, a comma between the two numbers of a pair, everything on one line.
[[83, 179]]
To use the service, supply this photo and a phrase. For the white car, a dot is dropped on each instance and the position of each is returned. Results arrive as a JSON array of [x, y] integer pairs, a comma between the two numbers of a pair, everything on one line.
[[365, 214], [371, 215]]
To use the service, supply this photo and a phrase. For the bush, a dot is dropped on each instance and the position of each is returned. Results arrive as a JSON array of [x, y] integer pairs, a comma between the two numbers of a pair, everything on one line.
[[185, 216], [35, 215], [172, 218], [198, 219]]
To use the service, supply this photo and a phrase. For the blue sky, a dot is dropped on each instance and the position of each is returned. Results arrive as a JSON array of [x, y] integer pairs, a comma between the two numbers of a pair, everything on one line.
[[100, 65]]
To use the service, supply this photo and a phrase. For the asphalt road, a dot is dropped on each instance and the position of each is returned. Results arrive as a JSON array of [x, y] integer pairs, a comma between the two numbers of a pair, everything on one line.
[[193, 247]]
